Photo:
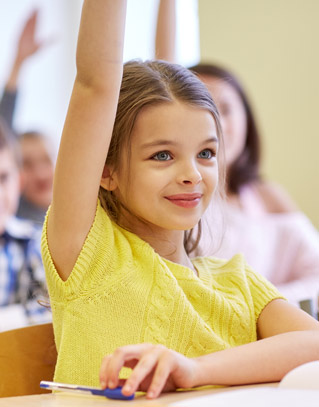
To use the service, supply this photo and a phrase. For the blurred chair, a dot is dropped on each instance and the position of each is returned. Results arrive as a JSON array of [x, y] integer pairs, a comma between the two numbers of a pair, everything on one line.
[[27, 356], [308, 306]]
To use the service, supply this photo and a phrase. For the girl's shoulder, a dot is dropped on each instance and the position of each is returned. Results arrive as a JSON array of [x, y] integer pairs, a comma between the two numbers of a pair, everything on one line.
[[235, 276], [210, 265], [274, 197]]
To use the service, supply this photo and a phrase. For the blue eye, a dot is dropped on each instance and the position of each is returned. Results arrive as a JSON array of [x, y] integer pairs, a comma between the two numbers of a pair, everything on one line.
[[206, 154], [162, 156]]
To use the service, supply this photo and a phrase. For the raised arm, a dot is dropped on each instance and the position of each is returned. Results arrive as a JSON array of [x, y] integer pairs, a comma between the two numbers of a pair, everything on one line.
[[165, 44], [87, 130], [27, 46]]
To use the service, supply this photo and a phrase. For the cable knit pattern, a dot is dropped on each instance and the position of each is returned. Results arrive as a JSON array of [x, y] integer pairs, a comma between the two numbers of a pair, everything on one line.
[[121, 292]]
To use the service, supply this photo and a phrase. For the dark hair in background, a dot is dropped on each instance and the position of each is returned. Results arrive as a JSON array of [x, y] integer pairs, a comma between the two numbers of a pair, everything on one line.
[[246, 168]]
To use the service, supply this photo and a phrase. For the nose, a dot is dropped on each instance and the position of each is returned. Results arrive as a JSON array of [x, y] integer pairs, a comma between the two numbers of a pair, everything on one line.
[[189, 174]]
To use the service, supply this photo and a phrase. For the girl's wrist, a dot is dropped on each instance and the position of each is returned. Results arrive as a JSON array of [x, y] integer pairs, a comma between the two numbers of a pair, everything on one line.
[[14, 75], [201, 372]]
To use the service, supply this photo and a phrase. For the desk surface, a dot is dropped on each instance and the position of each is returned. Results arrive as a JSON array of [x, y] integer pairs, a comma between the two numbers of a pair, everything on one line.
[[64, 399]]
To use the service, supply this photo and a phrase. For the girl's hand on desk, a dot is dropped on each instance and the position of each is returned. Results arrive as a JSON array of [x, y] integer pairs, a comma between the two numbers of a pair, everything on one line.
[[155, 369]]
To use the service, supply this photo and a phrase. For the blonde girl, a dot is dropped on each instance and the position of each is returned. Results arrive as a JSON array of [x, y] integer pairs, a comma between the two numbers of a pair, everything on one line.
[[137, 168]]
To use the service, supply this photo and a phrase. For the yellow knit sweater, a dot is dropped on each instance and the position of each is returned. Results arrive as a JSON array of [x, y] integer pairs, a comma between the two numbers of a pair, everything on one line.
[[122, 292]]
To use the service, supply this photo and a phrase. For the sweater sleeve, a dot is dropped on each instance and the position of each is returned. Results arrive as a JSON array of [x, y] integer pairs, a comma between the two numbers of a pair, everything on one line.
[[262, 291], [7, 106], [92, 254]]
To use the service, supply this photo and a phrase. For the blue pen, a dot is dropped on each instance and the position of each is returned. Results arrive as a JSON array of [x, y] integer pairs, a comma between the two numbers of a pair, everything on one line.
[[115, 394]]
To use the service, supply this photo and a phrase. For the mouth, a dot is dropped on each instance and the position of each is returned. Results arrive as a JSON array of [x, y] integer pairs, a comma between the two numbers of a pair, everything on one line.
[[185, 200]]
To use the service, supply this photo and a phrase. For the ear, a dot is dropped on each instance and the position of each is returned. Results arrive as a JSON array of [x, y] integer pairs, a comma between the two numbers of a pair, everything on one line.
[[108, 180]]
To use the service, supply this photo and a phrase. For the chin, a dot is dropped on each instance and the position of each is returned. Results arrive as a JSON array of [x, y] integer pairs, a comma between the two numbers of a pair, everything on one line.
[[172, 223], [185, 226]]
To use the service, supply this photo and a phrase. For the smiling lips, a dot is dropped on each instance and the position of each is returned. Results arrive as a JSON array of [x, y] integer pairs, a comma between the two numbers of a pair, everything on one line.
[[185, 200]]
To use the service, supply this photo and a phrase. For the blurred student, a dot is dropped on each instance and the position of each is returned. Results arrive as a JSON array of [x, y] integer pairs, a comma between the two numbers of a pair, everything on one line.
[[37, 150], [37, 176], [258, 218], [22, 280]]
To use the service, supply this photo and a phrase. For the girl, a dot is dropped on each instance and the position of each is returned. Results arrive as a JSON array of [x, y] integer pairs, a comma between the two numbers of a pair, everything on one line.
[[137, 167]]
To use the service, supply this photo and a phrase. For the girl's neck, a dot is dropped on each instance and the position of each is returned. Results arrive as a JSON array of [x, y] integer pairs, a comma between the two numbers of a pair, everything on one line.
[[169, 244], [173, 251]]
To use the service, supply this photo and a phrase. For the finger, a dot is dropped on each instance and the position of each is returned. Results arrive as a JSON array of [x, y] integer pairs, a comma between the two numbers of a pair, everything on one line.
[[120, 358], [31, 22], [33, 15], [146, 364], [163, 369], [103, 374]]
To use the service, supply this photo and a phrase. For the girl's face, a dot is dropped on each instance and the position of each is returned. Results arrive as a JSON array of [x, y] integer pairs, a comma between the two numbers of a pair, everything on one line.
[[172, 172], [232, 116]]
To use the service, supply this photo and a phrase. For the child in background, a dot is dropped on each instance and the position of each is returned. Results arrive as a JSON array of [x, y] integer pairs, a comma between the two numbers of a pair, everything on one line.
[[137, 167], [37, 150], [259, 218], [37, 175], [22, 280]]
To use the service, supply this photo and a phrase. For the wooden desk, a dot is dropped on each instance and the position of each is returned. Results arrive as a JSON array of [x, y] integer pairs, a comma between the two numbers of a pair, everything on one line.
[[64, 399]]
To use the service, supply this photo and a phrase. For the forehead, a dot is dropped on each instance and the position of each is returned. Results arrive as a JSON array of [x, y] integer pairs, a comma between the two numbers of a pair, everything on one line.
[[32, 142], [220, 90], [175, 121], [34, 146]]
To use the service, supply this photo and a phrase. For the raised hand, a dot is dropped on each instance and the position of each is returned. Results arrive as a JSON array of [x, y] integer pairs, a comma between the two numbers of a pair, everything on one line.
[[28, 44]]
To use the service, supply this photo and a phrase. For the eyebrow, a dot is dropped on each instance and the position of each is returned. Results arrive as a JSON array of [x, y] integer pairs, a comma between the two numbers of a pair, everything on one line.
[[158, 143]]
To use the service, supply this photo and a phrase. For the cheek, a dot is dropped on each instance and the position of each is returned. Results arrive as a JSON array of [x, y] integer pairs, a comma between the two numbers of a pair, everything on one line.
[[241, 127], [224, 123], [27, 174], [141, 185], [13, 194], [235, 136], [211, 177], [232, 124], [50, 170]]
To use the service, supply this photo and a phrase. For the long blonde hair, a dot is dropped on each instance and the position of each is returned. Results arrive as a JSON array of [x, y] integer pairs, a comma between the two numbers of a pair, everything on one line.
[[144, 84]]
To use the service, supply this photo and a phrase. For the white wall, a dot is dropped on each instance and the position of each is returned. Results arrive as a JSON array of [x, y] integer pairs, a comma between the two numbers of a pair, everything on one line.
[[47, 79]]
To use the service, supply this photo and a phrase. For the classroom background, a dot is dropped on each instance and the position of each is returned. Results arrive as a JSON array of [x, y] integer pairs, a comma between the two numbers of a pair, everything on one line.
[[270, 44]]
